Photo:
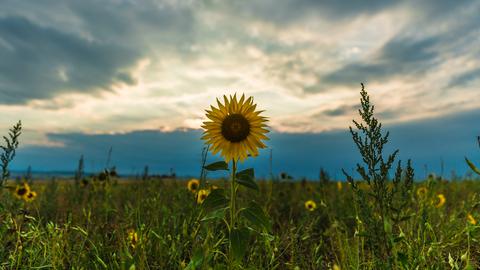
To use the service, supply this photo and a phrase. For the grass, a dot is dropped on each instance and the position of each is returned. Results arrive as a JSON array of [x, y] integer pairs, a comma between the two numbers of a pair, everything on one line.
[[73, 227]]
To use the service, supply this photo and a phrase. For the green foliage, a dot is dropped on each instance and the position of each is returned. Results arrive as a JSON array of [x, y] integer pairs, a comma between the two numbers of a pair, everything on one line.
[[470, 164], [11, 145], [383, 205]]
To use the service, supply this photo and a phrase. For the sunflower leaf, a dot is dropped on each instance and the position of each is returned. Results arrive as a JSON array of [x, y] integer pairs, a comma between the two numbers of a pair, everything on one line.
[[472, 166], [255, 214], [247, 178], [217, 166], [216, 214], [238, 240], [216, 199]]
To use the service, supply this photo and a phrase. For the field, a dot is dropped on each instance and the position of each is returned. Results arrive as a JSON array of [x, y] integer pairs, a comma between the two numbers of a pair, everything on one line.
[[157, 224]]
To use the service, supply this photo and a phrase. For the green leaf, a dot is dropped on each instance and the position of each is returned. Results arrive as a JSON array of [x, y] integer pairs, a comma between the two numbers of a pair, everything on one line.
[[255, 214], [217, 166], [196, 261], [216, 214], [472, 166], [216, 199], [247, 178], [238, 241]]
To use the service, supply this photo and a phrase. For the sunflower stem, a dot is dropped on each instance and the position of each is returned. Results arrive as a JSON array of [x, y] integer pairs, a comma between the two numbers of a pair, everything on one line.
[[233, 197]]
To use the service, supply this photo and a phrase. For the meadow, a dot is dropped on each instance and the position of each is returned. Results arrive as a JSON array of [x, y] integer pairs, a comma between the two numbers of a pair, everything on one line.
[[382, 218], [72, 226]]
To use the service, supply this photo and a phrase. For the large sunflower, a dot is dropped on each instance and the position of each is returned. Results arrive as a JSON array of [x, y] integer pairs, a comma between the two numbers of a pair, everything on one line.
[[235, 129]]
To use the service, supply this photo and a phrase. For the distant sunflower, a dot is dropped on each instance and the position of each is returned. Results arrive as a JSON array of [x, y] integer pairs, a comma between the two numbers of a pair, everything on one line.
[[132, 238], [30, 196], [441, 200], [471, 219], [193, 185], [421, 192], [21, 191], [235, 129], [310, 205], [202, 195]]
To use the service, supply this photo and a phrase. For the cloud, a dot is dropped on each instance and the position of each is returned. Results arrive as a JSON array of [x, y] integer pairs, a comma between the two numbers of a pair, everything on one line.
[[398, 57], [465, 78], [41, 62]]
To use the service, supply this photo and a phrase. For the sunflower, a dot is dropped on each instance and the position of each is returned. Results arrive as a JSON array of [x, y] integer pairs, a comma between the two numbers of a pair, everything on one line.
[[421, 191], [235, 129], [441, 200], [202, 195], [339, 186], [132, 238], [30, 196], [310, 205], [471, 219], [21, 191], [193, 185]]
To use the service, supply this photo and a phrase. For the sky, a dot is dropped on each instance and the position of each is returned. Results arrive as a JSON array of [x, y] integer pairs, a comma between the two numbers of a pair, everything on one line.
[[84, 76]]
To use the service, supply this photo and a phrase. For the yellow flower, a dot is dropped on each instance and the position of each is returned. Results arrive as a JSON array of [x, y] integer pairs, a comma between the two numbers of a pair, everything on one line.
[[336, 267], [471, 219], [235, 129], [339, 185], [132, 238], [21, 191], [441, 200], [421, 192], [310, 205], [30, 196], [202, 195], [193, 185]]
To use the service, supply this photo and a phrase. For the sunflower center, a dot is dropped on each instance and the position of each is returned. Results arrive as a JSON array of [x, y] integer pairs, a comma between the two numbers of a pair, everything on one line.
[[22, 191], [193, 186], [235, 128]]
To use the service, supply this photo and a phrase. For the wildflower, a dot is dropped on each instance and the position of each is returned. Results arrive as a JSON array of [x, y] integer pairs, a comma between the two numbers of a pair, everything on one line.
[[132, 238], [202, 195], [339, 185], [30, 196], [471, 219], [421, 192], [193, 185], [21, 191], [336, 267], [441, 200], [310, 205], [235, 129]]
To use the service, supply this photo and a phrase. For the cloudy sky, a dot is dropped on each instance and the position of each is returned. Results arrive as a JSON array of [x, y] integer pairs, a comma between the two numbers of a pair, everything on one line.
[[78, 73]]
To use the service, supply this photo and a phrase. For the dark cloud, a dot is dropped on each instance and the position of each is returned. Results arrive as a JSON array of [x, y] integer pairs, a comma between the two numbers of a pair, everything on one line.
[[302, 154], [83, 46], [465, 78], [40, 62], [283, 12], [398, 57], [340, 110]]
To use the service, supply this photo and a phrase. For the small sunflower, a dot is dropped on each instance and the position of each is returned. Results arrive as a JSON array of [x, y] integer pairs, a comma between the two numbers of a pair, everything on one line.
[[202, 195], [310, 205], [471, 219], [30, 196], [339, 186], [132, 238], [441, 200], [193, 185], [21, 191], [235, 129], [421, 192]]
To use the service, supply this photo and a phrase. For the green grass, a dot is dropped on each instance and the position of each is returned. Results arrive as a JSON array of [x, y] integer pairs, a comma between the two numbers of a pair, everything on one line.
[[74, 227]]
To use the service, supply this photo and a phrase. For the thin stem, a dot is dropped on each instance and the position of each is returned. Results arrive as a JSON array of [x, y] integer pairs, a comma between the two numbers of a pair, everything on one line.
[[233, 196]]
